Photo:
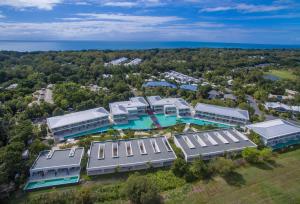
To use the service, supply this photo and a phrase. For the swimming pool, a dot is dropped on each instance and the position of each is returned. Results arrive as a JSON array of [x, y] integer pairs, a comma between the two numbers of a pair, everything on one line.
[[167, 121], [51, 182], [146, 123], [143, 123]]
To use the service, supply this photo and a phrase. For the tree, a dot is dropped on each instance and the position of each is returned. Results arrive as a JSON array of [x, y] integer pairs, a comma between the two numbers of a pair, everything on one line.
[[251, 155], [58, 111], [222, 166], [179, 167], [199, 169], [266, 154], [140, 190]]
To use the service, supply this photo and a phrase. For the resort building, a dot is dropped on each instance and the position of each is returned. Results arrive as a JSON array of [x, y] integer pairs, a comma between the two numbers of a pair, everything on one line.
[[129, 155], [277, 133], [221, 114], [78, 122], [170, 106], [151, 84], [210, 144], [123, 111], [55, 167]]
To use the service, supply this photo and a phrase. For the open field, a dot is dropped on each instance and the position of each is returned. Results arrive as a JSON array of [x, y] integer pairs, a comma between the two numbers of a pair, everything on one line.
[[279, 183], [282, 74], [276, 183]]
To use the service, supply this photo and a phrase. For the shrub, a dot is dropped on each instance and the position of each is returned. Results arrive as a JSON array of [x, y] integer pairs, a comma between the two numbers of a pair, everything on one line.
[[222, 166], [140, 190], [179, 167], [199, 169], [251, 155]]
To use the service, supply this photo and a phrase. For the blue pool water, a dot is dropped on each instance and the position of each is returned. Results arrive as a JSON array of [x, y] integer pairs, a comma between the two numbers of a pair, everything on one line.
[[143, 123], [146, 123], [51, 182], [167, 121]]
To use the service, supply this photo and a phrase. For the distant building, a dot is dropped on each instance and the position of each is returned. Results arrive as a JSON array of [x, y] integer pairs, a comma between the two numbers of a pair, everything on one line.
[[55, 167], [150, 84], [129, 155], [189, 87], [12, 86], [181, 78], [116, 62], [230, 97], [124, 111], [134, 62], [210, 144], [67, 125], [277, 133], [170, 106], [213, 94], [222, 114]]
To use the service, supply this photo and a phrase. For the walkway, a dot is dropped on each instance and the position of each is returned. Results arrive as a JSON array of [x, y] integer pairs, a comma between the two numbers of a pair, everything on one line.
[[154, 119]]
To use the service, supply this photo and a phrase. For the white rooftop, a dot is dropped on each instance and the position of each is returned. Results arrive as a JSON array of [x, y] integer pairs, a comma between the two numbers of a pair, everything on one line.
[[178, 102], [221, 110], [71, 118], [274, 128], [121, 107]]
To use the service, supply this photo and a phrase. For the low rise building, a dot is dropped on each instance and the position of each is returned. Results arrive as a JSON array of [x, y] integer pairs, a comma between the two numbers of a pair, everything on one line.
[[73, 123], [181, 78], [129, 155], [210, 144], [277, 133], [281, 107], [116, 62], [170, 106], [123, 111], [222, 114], [55, 167]]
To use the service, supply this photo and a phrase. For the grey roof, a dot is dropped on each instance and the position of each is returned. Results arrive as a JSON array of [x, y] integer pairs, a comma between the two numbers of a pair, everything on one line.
[[59, 157], [221, 110], [230, 96], [123, 159], [77, 117], [178, 102], [274, 128], [236, 141], [214, 92], [121, 107]]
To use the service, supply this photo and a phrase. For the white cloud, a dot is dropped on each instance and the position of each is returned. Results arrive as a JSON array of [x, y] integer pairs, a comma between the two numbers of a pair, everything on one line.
[[148, 20], [120, 4], [247, 8], [40, 4], [1, 15]]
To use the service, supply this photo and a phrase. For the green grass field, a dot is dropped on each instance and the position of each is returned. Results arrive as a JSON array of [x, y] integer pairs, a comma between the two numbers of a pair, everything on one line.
[[282, 74], [279, 183], [276, 183]]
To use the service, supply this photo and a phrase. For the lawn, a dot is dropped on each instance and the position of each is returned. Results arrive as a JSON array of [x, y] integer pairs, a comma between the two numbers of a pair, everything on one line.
[[279, 183], [276, 183], [282, 74]]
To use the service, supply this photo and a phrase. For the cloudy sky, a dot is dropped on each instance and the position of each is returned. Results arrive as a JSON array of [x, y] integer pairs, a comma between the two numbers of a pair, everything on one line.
[[244, 21]]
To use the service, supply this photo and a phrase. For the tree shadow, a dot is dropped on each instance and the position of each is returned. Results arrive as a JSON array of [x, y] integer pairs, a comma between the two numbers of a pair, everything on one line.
[[264, 166], [234, 179]]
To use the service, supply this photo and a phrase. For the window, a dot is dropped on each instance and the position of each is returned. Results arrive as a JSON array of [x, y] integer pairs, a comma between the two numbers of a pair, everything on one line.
[[188, 142], [220, 137], [142, 147], [167, 144], [200, 141], [211, 140], [154, 146], [128, 149], [101, 151], [115, 152]]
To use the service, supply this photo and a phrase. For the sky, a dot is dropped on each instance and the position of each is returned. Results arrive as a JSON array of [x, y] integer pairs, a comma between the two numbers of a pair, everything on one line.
[[231, 21]]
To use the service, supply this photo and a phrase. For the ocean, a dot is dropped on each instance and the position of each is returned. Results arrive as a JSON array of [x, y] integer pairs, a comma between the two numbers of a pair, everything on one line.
[[27, 46]]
